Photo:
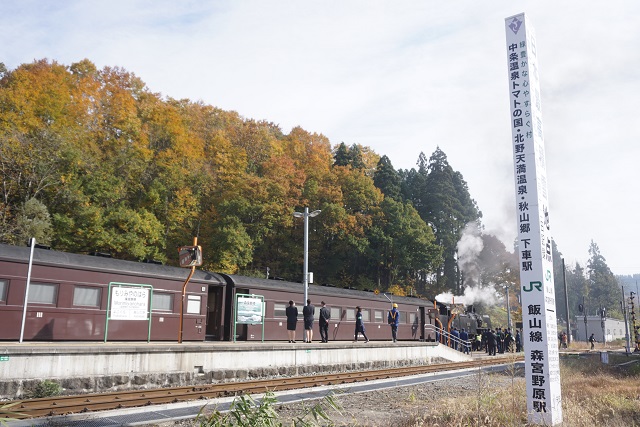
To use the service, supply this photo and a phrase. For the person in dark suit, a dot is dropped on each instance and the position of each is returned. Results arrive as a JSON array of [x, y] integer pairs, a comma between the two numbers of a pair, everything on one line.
[[325, 315], [360, 325], [308, 313], [292, 320]]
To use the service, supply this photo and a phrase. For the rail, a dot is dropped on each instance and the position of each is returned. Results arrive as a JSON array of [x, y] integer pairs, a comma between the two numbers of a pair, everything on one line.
[[65, 405]]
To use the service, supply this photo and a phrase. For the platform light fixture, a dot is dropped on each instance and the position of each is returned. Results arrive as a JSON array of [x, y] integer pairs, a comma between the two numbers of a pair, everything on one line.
[[306, 214]]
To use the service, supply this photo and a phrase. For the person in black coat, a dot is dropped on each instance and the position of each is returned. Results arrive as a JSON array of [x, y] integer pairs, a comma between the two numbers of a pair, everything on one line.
[[325, 315], [360, 325], [492, 341], [592, 340], [308, 313], [292, 320]]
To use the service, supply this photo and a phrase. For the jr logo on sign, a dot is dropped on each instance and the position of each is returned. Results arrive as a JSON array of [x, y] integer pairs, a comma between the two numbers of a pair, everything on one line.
[[531, 286]]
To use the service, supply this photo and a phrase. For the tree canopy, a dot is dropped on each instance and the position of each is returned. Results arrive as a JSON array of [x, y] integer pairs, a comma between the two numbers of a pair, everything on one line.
[[93, 160]]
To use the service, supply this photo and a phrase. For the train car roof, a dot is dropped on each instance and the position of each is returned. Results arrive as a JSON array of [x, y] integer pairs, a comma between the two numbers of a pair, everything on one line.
[[315, 291], [97, 263]]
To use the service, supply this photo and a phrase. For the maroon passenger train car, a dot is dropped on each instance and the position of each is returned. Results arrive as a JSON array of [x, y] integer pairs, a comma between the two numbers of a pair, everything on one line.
[[416, 323], [414, 319], [68, 297]]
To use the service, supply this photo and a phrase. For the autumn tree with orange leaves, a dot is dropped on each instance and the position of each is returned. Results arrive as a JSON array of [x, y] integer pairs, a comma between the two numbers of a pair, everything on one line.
[[101, 163]]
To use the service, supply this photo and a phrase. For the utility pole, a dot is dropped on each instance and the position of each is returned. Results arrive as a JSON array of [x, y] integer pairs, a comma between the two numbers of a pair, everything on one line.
[[603, 319], [566, 302], [627, 338], [586, 337]]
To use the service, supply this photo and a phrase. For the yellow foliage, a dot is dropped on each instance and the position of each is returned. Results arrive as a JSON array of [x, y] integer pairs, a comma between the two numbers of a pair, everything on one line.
[[397, 290]]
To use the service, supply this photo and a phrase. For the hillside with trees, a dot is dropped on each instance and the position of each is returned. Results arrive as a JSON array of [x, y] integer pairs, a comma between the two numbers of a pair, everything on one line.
[[94, 161]]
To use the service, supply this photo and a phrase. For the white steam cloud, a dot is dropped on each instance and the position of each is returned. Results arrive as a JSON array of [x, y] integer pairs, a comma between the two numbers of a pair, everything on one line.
[[472, 295], [469, 247]]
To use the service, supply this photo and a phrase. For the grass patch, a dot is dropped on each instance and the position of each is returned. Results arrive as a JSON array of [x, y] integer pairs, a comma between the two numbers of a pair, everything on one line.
[[44, 388], [245, 411], [593, 394]]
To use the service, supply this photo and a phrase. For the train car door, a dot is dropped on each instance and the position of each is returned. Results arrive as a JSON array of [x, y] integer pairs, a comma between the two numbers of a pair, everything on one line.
[[214, 314], [421, 313]]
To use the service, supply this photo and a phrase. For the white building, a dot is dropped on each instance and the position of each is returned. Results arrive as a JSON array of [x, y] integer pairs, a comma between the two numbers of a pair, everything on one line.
[[613, 328]]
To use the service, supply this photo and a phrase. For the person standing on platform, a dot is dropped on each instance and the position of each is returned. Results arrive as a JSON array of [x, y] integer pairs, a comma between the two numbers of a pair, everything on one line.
[[325, 315], [592, 340], [518, 342], [464, 341], [508, 341], [564, 339], [492, 341], [393, 318], [308, 313], [455, 338], [360, 325], [292, 320], [500, 340]]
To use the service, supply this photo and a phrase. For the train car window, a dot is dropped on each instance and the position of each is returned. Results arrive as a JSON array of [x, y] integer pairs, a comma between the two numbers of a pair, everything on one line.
[[193, 304], [351, 314], [402, 317], [366, 315], [378, 316], [162, 301], [86, 297], [336, 313], [412, 318], [279, 309], [4, 285], [43, 293]]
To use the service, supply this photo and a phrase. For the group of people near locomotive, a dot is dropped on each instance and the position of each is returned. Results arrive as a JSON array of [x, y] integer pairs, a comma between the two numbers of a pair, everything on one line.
[[492, 341]]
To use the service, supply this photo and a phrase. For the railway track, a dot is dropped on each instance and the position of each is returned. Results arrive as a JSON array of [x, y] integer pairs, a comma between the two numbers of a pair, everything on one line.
[[66, 405]]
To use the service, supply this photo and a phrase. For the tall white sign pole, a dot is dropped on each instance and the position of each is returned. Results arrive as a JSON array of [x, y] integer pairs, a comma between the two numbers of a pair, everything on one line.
[[540, 330]]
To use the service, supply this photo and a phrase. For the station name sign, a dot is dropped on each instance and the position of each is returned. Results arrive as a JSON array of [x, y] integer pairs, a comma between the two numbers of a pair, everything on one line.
[[540, 329]]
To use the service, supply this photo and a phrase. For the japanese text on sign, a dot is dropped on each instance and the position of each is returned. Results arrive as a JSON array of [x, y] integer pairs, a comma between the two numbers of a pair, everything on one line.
[[128, 303], [532, 216]]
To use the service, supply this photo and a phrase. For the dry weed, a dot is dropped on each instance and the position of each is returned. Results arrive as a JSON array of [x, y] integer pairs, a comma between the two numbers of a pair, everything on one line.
[[593, 394]]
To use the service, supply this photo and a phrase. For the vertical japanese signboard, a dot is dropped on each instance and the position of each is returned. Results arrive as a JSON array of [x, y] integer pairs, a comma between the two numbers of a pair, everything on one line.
[[540, 330]]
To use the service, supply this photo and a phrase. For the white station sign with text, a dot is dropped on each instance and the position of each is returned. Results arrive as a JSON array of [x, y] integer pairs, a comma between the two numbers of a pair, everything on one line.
[[129, 303], [540, 329]]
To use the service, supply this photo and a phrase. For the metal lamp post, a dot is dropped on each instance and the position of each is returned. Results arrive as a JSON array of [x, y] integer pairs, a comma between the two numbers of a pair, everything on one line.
[[306, 215]]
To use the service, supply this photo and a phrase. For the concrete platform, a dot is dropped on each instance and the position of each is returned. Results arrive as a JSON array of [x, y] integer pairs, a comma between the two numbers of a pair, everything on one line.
[[93, 367]]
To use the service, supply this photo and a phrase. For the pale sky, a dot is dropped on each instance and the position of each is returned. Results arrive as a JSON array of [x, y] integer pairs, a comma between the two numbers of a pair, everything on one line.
[[401, 77]]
